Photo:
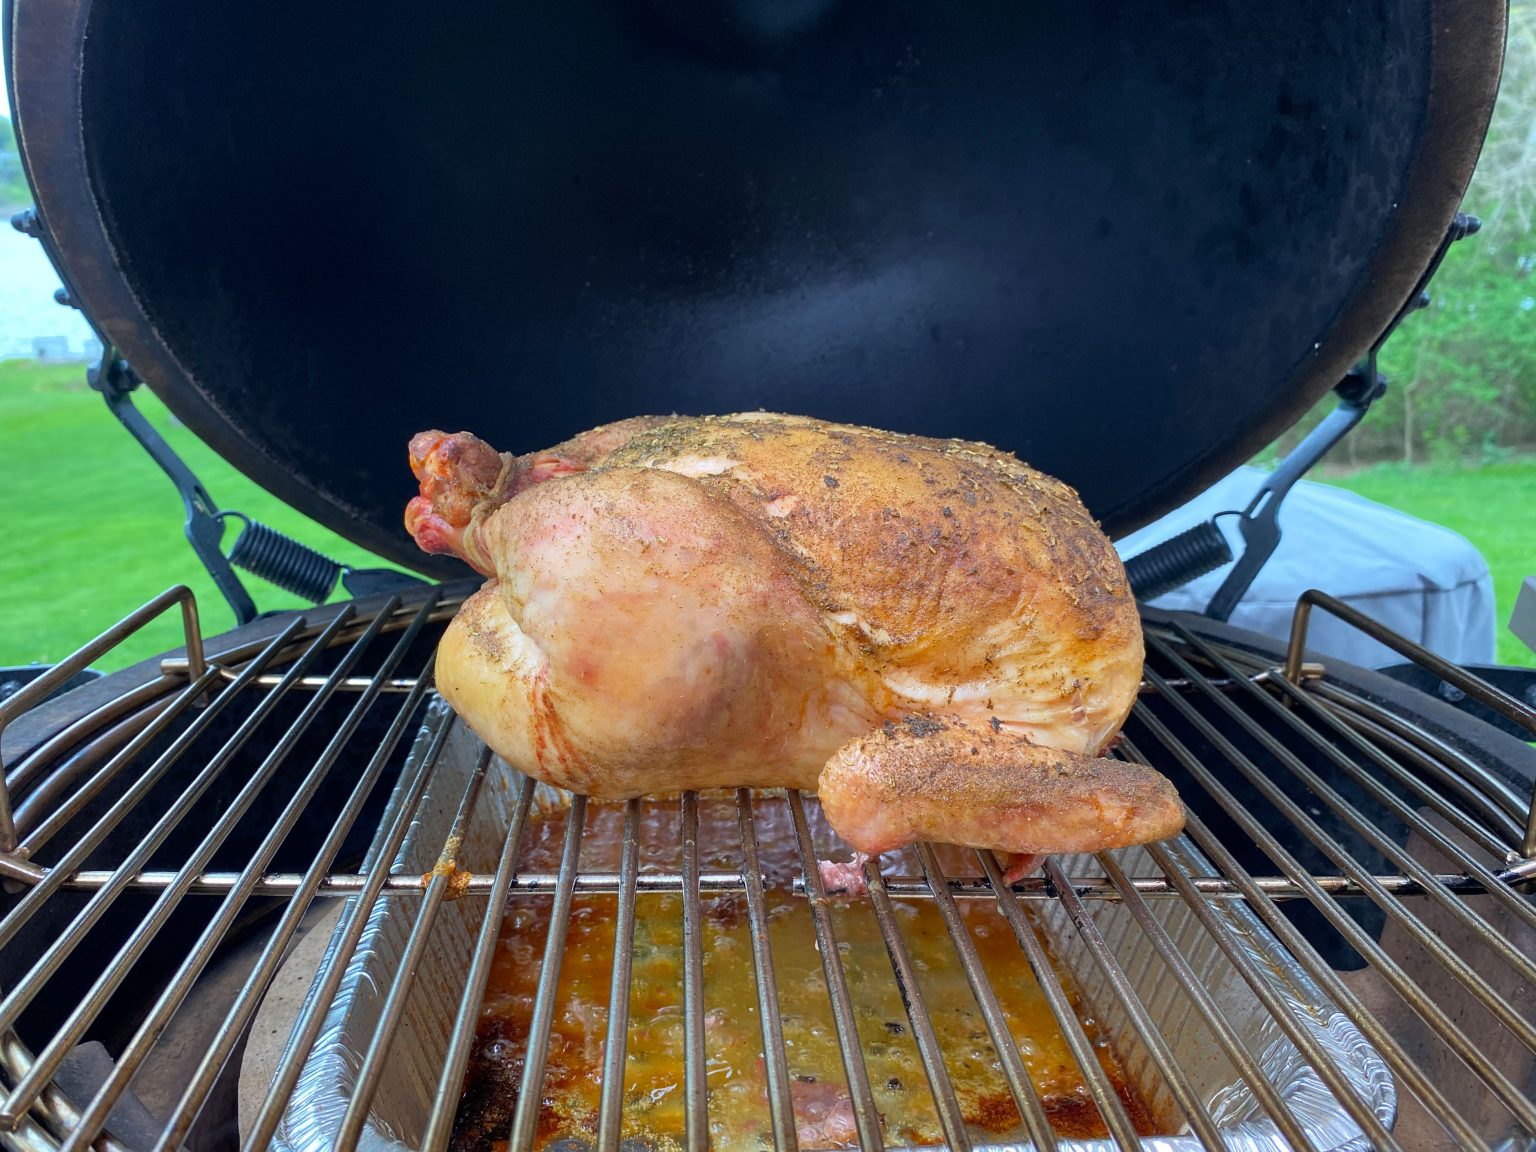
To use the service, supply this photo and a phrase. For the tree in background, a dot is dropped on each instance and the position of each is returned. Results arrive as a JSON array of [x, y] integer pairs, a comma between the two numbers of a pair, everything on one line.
[[1467, 366]]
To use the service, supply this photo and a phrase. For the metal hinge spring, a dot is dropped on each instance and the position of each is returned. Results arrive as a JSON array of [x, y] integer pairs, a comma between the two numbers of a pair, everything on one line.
[[283, 561]]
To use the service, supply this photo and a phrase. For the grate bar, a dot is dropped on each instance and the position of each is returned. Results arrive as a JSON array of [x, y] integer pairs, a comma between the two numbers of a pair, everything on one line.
[[1446, 767], [1389, 1048], [530, 1091], [1162, 1055], [1373, 835], [28, 1136], [865, 1119], [1386, 1046], [721, 883], [1370, 832], [775, 1061], [610, 1113], [131, 737], [1490, 828], [28, 1085], [944, 1099], [137, 706], [51, 1116], [1025, 1096], [398, 684], [1390, 762], [695, 1100], [440, 1122], [18, 872], [1480, 690], [213, 934], [348, 932], [1491, 1075], [241, 652], [44, 686], [390, 1015], [1273, 1103], [134, 948], [130, 800], [1116, 1119], [249, 998], [1260, 674], [1282, 1013]]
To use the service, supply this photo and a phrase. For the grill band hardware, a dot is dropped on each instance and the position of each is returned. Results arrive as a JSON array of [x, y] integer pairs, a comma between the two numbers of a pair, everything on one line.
[[115, 380], [259, 550], [1259, 523], [1203, 548], [1191, 554]]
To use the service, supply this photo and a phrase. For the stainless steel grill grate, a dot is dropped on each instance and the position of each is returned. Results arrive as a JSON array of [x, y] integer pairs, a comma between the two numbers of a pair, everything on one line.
[[229, 797]]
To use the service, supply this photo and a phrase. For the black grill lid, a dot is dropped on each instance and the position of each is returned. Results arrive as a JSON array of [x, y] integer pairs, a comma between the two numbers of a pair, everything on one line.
[[1130, 242]]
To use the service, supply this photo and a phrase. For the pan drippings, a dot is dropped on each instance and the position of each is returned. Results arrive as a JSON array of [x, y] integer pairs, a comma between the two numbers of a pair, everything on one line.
[[738, 1111]]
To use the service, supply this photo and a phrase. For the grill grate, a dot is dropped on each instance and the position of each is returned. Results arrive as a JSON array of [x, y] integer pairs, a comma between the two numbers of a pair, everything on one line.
[[236, 792]]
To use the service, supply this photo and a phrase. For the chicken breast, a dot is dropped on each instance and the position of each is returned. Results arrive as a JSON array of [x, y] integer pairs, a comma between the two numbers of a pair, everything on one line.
[[935, 637]]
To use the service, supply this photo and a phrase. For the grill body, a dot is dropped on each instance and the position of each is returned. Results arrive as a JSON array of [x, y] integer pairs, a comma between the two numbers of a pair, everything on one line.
[[1376, 835], [1180, 222]]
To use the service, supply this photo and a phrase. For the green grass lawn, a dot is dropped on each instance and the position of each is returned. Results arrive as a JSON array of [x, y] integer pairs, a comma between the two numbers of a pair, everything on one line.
[[93, 527], [1493, 506]]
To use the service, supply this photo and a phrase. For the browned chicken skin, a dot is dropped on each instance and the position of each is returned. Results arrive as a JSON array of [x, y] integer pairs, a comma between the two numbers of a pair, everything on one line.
[[932, 635]]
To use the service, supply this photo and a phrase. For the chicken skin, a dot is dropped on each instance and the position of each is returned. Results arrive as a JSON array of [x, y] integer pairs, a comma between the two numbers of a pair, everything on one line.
[[931, 635]]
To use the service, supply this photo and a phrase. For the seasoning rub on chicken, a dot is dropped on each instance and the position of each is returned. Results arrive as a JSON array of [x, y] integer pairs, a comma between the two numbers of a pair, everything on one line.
[[931, 635]]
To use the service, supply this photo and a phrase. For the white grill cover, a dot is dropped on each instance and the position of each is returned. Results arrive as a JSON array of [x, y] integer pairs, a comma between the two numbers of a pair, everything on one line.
[[1420, 579]]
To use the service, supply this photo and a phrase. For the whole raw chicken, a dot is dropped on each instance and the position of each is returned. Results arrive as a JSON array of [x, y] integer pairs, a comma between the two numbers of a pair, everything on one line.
[[931, 635]]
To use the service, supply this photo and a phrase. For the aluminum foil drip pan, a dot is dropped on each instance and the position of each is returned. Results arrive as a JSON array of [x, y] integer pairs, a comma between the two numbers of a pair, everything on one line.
[[407, 1090]]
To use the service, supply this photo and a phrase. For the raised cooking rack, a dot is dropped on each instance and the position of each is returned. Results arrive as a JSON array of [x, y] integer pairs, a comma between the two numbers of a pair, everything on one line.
[[1306, 776]]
